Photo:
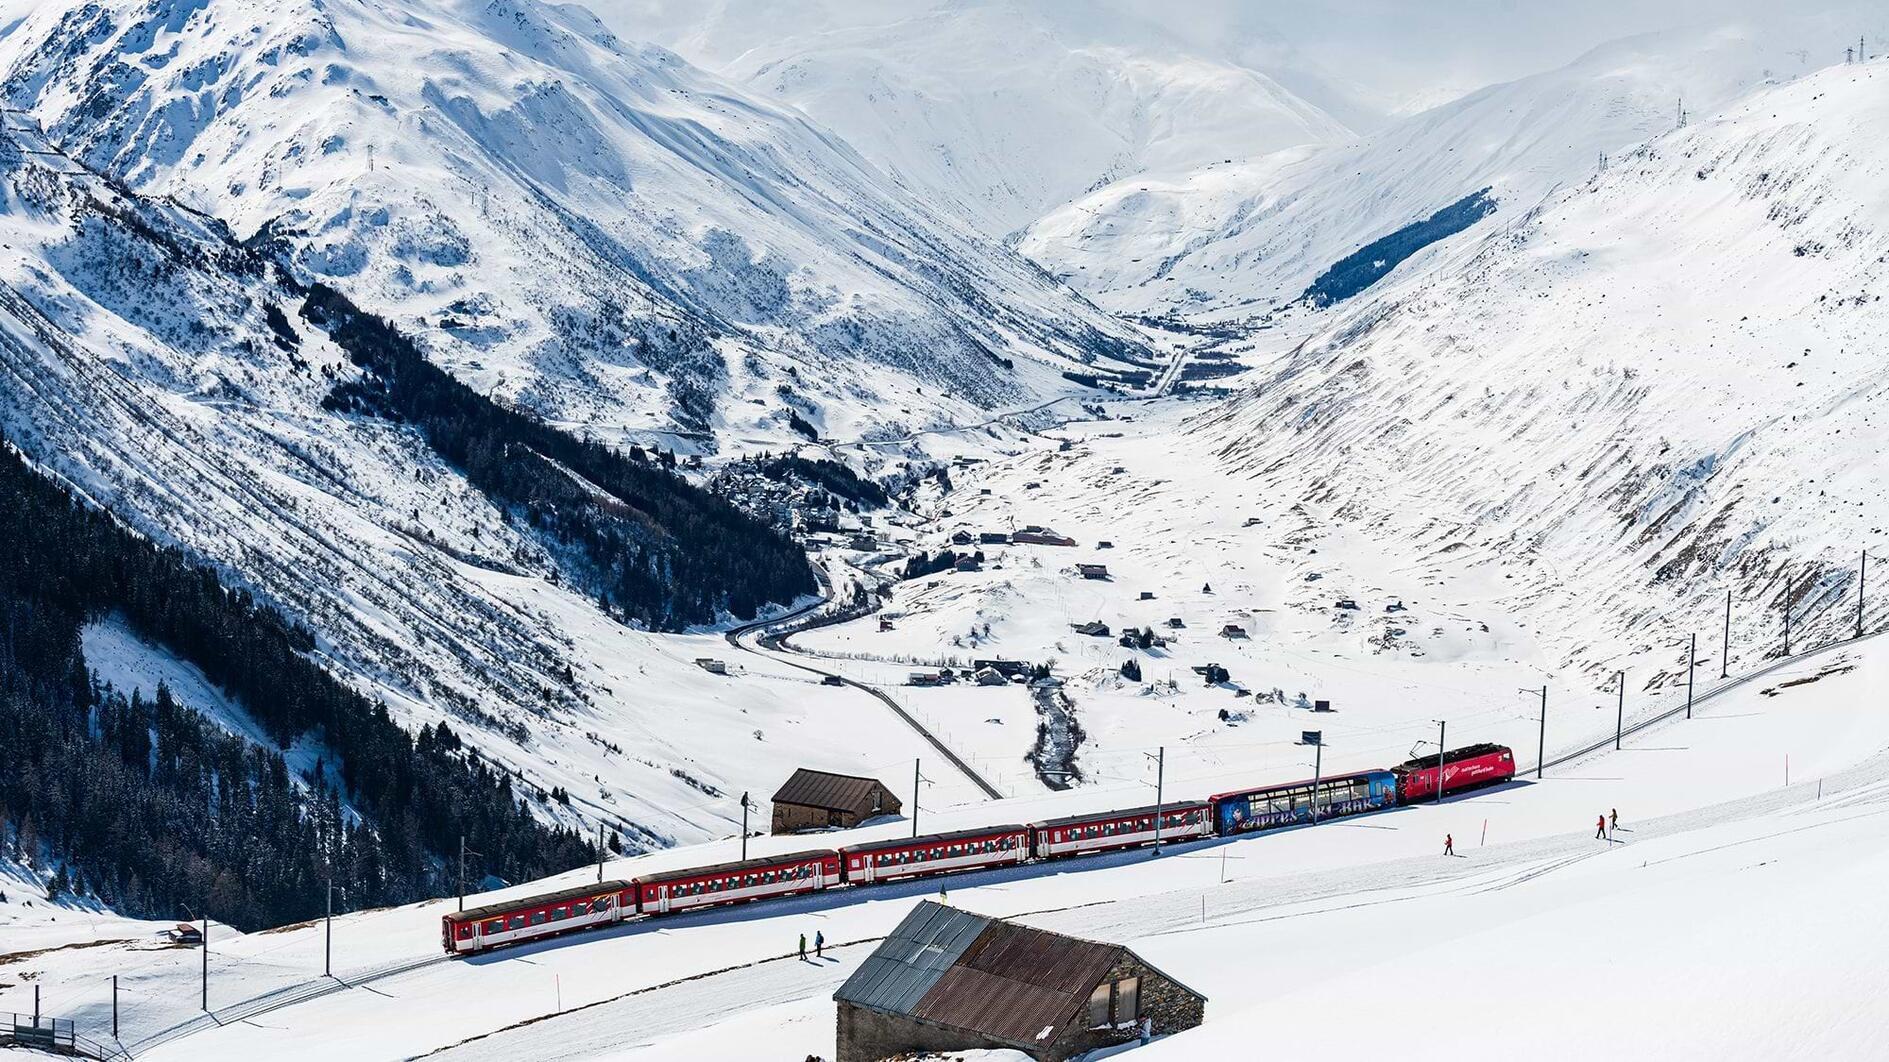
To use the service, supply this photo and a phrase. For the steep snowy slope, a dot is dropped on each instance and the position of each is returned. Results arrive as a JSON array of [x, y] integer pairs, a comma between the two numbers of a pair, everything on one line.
[[1002, 109], [586, 227], [165, 373], [1664, 383], [1233, 240]]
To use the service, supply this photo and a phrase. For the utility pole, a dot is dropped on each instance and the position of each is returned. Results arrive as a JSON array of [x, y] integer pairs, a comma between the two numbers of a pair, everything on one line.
[[328, 942], [1160, 776], [915, 777], [1541, 746], [1862, 574], [1692, 654], [206, 964], [1620, 713], [1725, 661], [1442, 729], [462, 873], [1318, 773], [600, 852], [114, 1006], [744, 827]]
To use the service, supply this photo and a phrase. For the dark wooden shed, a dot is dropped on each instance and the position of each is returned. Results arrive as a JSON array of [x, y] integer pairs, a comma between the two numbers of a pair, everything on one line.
[[951, 980], [813, 800]]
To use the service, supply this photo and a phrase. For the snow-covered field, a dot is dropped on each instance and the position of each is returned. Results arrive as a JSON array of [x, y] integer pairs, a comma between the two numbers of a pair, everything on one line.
[[1727, 898], [1542, 453]]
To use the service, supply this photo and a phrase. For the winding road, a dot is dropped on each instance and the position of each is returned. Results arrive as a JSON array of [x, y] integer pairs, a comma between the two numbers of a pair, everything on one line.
[[767, 638]]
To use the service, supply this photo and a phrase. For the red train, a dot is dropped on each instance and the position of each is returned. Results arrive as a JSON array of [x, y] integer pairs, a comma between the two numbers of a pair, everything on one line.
[[1265, 807], [1464, 768], [937, 853]]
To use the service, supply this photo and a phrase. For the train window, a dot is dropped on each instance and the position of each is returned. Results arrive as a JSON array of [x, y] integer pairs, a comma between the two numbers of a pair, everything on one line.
[[496, 925], [515, 922], [537, 918], [463, 930], [559, 914], [582, 907]]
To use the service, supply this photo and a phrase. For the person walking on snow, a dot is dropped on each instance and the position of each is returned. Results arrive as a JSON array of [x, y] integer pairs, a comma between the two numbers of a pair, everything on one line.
[[1600, 828], [1449, 845], [803, 947], [819, 945], [1613, 820]]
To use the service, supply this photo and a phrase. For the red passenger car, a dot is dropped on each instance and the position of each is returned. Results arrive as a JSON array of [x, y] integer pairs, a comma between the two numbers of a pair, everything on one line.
[[532, 917], [1463, 768], [1104, 830], [938, 853], [786, 875]]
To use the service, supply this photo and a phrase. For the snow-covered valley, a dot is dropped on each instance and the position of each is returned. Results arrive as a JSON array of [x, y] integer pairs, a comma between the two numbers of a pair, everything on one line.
[[1634, 409]]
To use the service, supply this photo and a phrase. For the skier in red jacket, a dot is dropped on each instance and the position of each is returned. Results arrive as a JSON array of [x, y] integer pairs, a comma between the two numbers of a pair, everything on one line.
[[1600, 828]]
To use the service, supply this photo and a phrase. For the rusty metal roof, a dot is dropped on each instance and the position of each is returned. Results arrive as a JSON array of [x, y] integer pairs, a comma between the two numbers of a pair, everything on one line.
[[837, 792], [912, 958], [1008, 982]]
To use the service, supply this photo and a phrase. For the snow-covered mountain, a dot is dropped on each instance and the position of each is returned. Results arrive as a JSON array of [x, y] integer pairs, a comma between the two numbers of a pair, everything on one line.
[[1003, 109], [1232, 240], [1662, 383], [583, 226], [166, 373]]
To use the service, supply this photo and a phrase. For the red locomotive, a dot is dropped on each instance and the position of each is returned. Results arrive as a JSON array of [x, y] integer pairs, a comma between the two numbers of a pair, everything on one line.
[[1464, 768]]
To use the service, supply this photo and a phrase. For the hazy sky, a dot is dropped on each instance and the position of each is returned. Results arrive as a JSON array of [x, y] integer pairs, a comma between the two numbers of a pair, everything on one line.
[[1394, 54]]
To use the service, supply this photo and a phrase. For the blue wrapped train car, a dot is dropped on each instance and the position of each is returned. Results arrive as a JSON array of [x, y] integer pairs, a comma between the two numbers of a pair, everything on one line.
[[1289, 804]]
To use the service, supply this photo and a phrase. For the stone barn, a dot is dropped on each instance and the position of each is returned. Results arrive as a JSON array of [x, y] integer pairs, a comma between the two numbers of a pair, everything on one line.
[[950, 980], [817, 800]]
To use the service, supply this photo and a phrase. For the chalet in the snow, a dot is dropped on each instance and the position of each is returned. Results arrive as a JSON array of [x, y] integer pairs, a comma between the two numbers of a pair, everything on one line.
[[950, 980], [1035, 535], [812, 800]]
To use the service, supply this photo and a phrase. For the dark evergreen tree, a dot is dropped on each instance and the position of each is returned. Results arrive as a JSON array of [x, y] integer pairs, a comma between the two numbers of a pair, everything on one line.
[[154, 805], [653, 547]]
